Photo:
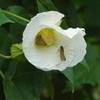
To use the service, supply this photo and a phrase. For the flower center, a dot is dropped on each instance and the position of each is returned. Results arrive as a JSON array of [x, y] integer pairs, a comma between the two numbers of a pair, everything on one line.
[[45, 37]]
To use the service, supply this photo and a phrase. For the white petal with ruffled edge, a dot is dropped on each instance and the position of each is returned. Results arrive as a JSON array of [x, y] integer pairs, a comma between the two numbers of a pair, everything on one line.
[[50, 18], [79, 46]]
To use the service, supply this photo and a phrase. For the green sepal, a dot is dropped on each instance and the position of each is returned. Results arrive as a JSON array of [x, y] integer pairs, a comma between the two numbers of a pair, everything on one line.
[[17, 52]]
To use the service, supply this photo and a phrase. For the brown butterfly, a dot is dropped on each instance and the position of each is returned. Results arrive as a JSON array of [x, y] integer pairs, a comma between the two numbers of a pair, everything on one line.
[[62, 55]]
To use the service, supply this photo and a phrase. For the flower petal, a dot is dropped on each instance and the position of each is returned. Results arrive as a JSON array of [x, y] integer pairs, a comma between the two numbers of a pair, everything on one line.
[[79, 46], [70, 32], [51, 17], [42, 57]]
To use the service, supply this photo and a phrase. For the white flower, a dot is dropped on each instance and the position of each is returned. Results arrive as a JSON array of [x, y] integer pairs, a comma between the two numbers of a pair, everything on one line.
[[49, 47]]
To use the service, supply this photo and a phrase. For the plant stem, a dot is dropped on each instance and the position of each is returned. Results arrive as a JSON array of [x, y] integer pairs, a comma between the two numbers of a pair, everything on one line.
[[15, 16], [7, 57], [1, 74]]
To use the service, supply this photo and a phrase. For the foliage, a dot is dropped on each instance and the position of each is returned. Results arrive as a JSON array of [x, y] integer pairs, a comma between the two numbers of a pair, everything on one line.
[[21, 80]]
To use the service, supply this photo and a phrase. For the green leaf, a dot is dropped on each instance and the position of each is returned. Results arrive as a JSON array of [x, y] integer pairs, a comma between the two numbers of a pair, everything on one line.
[[2, 97], [41, 7], [68, 72], [77, 76], [24, 83], [92, 11], [92, 58], [94, 74], [48, 84], [84, 62], [20, 11], [4, 19], [48, 4], [92, 55], [80, 74], [17, 30], [6, 41]]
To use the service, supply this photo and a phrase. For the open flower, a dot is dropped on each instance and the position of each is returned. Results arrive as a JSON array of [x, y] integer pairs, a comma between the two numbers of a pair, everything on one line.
[[49, 47]]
